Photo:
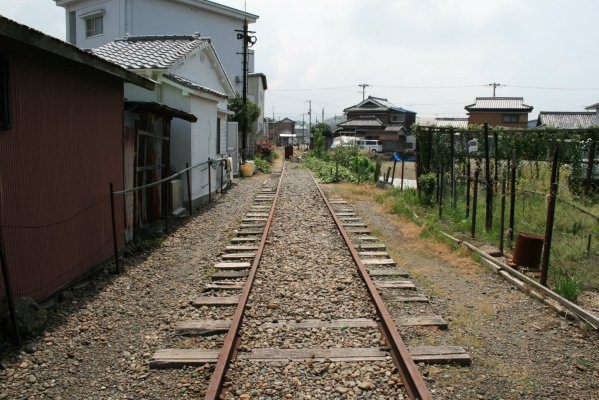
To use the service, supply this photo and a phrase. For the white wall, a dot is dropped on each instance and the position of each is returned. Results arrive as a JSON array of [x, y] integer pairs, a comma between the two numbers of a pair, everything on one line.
[[160, 17]]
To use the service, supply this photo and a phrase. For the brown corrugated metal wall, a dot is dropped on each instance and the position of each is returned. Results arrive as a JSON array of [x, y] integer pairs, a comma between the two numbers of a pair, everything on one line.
[[56, 163]]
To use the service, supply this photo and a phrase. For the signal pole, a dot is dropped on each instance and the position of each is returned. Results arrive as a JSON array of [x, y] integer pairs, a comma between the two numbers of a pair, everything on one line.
[[248, 41]]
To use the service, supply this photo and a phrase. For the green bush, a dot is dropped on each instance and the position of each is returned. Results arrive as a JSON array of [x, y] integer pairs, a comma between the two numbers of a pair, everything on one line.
[[427, 184], [569, 285], [362, 167], [262, 165]]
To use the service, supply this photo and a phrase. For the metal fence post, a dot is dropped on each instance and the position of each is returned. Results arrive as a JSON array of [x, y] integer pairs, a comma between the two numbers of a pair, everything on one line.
[[188, 189], [209, 182], [502, 220], [512, 196], [488, 182], [474, 203], [166, 208], [117, 266], [550, 216]]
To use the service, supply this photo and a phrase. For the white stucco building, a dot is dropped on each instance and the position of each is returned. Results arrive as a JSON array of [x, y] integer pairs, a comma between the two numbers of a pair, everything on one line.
[[189, 77], [93, 23]]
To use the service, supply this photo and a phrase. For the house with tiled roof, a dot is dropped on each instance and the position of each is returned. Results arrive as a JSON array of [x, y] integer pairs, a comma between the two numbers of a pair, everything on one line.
[[510, 112], [94, 23], [376, 118], [190, 78], [567, 119]]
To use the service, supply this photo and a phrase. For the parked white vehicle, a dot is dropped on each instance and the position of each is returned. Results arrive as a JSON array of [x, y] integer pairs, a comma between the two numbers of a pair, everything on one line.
[[371, 145]]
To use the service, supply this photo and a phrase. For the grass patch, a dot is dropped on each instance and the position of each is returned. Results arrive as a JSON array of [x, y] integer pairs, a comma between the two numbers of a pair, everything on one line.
[[567, 284]]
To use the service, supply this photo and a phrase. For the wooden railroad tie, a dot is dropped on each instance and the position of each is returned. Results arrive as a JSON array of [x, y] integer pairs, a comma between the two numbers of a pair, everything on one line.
[[224, 285], [395, 285], [371, 246], [202, 327], [432, 320], [337, 201], [378, 261], [252, 225], [231, 274], [373, 254], [368, 239], [350, 219], [241, 248], [359, 231], [440, 355], [387, 272], [238, 256], [346, 214], [245, 239], [249, 232], [232, 266], [217, 301], [417, 298], [354, 225]]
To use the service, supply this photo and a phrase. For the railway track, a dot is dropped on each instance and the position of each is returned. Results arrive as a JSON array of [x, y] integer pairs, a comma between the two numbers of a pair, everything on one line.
[[310, 321]]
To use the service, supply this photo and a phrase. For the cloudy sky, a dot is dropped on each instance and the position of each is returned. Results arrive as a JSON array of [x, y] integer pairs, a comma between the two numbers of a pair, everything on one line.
[[430, 56]]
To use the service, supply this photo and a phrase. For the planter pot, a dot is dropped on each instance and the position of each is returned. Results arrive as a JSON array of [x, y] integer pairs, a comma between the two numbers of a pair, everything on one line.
[[246, 169]]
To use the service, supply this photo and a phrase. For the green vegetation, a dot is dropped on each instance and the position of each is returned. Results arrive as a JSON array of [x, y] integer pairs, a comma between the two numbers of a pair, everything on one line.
[[340, 164], [262, 164], [249, 113], [569, 285]]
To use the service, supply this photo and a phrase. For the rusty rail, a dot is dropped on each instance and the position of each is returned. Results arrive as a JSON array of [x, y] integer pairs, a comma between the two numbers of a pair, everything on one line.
[[413, 381], [229, 346]]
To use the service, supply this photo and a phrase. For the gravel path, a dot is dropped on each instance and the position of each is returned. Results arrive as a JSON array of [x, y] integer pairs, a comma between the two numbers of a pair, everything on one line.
[[307, 272]]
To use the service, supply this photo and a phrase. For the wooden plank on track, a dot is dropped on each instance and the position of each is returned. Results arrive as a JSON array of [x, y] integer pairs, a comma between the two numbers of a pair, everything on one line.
[[245, 239], [202, 327], [378, 261], [346, 214], [317, 323], [338, 202], [221, 285], [387, 272], [371, 246], [241, 248], [238, 256], [232, 266], [252, 225], [373, 254], [350, 219], [359, 231], [368, 239], [440, 355], [354, 225], [348, 354], [257, 215], [250, 232], [395, 285], [168, 358], [215, 301], [426, 320], [230, 275], [417, 298]]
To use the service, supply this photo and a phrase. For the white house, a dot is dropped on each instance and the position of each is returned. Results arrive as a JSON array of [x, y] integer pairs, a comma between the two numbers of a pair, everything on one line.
[[189, 77], [93, 23], [256, 87]]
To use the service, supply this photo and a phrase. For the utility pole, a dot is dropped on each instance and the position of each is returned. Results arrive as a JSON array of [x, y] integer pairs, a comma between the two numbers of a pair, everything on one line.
[[248, 41], [495, 86], [363, 86], [322, 115]]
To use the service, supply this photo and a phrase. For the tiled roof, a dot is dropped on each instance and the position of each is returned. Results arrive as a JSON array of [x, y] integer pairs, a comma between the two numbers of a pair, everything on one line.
[[370, 122], [451, 122], [593, 107], [381, 105], [567, 120], [192, 85], [149, 52], [499, 103]]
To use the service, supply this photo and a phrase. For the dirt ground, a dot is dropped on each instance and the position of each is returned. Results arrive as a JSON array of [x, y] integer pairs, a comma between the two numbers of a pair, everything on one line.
[[520, 348]]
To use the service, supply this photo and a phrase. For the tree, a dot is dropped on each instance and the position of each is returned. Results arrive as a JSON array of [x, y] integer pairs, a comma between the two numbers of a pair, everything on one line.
[[251, 109], [323, 128]]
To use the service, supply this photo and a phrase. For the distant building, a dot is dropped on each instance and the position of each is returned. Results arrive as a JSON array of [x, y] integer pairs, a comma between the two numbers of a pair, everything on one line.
[[378, 119], [257, 86], [276, 128], [509, 112], [567, 120]]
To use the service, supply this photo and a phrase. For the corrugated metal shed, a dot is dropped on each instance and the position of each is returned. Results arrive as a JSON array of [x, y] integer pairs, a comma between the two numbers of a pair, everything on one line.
[[499, 104], [567, 120]]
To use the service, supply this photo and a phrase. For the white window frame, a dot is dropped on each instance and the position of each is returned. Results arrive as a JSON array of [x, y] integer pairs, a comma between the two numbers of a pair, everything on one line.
[[93, 18]]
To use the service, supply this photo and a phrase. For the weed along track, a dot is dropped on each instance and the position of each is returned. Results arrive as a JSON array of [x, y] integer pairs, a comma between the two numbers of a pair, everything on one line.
[[294, 307]]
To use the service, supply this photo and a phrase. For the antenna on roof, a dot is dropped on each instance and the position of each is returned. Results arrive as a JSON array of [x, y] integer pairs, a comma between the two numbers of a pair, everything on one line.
[[495, 85]]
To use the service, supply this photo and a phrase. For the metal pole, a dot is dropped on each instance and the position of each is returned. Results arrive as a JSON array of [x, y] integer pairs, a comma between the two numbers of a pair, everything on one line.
[[496, 154], [166, 207], [502, 220], [468, 181], [452, 166], [188, 189], [591, 166], [402, 170], [550, 217], [209, 182], [489, 183], [589, 245], [117, 266], [474, 203], [222, 176], [393, 177], [8, 291], [441, 184], [245, 96], [512, 196]]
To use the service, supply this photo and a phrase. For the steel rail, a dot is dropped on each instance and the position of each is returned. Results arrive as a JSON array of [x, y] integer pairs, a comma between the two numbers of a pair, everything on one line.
[[413, 381], [229, 346]]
